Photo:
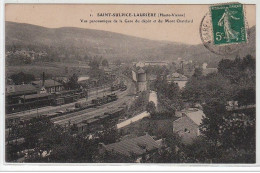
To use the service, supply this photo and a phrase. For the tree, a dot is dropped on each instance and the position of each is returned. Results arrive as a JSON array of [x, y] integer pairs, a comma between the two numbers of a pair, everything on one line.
[[150, 107], [73, 82], [87, 58], [33, 129], [108, 136], [214, 117], [238, 131], [246, 96], [22, 77], [104, 63], [197, 73], [118, 62], [94, 63], [206, 88], [238, 70]]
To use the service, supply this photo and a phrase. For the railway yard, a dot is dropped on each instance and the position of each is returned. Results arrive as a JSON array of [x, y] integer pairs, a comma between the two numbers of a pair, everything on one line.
[[100, 104]]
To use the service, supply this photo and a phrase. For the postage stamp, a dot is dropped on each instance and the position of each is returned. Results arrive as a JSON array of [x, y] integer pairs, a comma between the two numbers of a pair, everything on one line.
[[228, 23]]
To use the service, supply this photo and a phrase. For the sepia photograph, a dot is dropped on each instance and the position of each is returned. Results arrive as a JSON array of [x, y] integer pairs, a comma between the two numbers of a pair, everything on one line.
[[130, 83]]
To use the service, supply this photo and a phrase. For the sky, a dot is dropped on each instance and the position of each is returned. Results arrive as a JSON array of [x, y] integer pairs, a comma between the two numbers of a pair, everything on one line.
[[61, 15]]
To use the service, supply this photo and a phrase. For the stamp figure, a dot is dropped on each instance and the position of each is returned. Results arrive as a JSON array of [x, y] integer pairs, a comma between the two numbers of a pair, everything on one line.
[[228, 24]]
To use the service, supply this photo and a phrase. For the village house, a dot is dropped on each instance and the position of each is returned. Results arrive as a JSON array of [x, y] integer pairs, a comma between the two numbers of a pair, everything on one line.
[[206, 70], [150, 63], [49, 86], [187, 126], [15, 91], [178, 79], [137, 147]]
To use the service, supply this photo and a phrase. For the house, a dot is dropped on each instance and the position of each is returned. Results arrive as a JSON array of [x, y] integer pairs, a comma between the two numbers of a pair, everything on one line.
[[19, 90], [62, 79], [187, 126], [177, 78], [49, 86], [207, 71], [107, 70], [138, 146], [37, 98], [139, 64], [14, 91], [155, 63], [150, 63]]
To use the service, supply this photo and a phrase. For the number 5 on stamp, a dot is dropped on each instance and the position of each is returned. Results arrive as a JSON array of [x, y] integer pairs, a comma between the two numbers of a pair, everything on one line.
[[228, 24]]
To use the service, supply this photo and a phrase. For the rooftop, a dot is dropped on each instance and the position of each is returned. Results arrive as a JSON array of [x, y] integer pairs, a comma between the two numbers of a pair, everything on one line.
[[156, 62], [20, 89], [32, 96], [92, 120], [176, 76], [47, 83], [196, 115], [136, 146], [140, 70], [209, 70]]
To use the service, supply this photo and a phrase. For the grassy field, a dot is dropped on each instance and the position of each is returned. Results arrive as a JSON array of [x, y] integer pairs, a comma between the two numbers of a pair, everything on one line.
[[50, 69]]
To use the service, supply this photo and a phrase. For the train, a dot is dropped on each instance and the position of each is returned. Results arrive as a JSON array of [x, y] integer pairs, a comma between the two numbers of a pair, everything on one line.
[[105, 99], [123, 88], [120, 86], [34, 101], [108, 119], [77, 107], [28, 102]]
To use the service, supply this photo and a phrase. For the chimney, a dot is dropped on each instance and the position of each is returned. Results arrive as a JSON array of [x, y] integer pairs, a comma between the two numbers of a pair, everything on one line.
[[182, 69], [43, 78]]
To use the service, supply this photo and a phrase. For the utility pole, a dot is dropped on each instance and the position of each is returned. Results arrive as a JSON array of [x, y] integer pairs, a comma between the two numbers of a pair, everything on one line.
[[37, 105], [24, 102]]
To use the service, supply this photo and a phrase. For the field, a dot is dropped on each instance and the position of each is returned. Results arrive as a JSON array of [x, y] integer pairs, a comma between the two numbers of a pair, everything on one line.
[[50, 69]]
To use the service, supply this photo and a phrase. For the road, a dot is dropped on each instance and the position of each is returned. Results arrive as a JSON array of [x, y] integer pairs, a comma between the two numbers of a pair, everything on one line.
[[133, 119], [152, 98]]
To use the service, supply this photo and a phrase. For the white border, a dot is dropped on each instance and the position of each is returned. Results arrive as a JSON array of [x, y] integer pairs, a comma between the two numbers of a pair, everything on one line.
[[122, 167]]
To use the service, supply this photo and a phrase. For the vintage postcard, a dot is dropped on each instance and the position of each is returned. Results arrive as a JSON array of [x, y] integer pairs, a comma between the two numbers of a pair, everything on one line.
[[130, 83]]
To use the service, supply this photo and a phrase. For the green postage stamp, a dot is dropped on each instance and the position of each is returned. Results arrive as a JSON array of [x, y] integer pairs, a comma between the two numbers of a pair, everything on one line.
[[228, 24]]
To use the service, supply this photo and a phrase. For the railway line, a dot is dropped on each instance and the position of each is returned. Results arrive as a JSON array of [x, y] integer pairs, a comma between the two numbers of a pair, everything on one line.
[[85, 114], [93, 112], [78, 117], [71, 115], [46, 110]]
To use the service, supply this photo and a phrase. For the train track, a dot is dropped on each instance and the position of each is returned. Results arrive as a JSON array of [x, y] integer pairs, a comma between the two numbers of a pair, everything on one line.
[[79, 112], [78, 117], [27, 116], [91, 114]]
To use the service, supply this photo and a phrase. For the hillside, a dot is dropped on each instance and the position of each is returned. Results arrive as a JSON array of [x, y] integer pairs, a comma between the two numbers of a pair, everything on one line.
[[70, 42]]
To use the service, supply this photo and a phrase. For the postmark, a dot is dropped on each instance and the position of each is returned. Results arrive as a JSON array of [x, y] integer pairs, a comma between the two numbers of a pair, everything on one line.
[[221, 39]]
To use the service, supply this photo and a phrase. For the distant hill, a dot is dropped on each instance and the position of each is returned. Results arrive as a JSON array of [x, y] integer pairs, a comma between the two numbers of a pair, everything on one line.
[[70, 41]]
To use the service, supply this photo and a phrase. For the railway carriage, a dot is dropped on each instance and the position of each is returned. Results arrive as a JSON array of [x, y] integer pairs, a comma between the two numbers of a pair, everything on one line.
[[12, 121]]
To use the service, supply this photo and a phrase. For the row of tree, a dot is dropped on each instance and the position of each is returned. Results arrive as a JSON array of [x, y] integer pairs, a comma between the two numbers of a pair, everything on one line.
[[228, 137]]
